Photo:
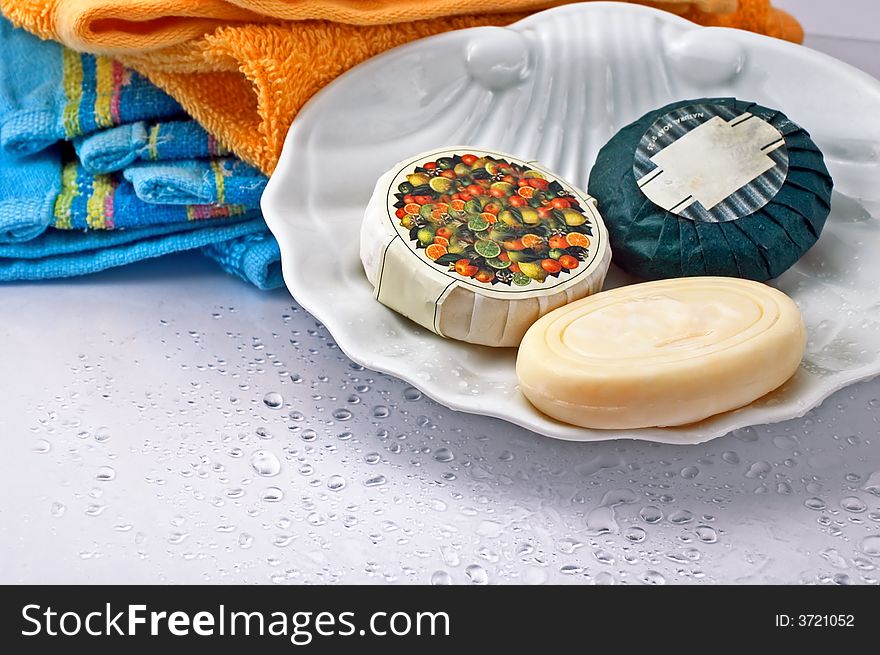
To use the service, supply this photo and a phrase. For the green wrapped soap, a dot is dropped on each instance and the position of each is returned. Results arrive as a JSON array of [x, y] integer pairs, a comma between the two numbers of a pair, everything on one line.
[[713, 186]]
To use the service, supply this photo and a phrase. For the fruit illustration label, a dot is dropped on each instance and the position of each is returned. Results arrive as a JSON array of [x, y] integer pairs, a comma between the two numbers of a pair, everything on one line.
[[500, 226], [711, 163]]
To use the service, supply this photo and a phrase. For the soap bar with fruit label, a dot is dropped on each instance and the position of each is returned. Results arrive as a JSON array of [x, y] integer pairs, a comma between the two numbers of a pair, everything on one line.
[[477, 245], [662, 353]]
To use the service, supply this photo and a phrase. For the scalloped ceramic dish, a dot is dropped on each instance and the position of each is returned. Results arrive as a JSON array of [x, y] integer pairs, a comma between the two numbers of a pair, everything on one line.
[[555, 87]]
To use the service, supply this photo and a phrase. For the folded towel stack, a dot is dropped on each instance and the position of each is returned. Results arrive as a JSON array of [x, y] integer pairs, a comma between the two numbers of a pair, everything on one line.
[[244, 68], [140, 177], [100, 168]]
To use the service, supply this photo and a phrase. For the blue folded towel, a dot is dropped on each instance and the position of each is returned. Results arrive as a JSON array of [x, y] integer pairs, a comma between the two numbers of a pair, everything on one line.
[[255, 258], [117, 147], [60, 253], [203, 181], [49, 93], [61, 217], [106, 202], [28, 189]]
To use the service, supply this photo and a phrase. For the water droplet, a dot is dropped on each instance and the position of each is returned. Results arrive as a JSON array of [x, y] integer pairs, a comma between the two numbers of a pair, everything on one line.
[[567, 546], [450, 555], [265, 463], [176, 538], [653, 577], [42, 446], [747, 434], [597, 464], [273, 400], [342, 414], [283, 540], [272, 495], [375, 481], [245, 540], [335, 483], [440, 577], [706, 534], [863, 564], [651, 514], [853, 504], [95, 509], [57, 510], [380, 411], [444, 455], [604, 578], [603, 556], [635, 534], [296, 378], [815, 503], [533, 575], [372, 458], [872, 484], [730, 457], [105, 474], [602, 519], [412, 394], [689, 472], [785, 442], [833, 557], [758, 470], [870, 545], [477, 574], [102, 434], [308, 435], [681, 516]]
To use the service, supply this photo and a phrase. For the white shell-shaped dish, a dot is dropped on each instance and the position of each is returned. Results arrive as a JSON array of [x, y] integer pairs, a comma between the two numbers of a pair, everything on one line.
[[555, 87]]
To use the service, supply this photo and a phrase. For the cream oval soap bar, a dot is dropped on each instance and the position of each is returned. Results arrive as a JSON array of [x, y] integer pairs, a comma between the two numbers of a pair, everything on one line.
[[477, 245], [661, 353]]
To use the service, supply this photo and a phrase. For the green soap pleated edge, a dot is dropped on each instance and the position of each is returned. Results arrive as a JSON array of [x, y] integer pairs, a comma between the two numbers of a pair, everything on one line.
[[642, 243]]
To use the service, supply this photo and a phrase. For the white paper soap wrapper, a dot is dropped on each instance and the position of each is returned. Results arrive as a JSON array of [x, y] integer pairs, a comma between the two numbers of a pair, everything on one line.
[[438, 296]]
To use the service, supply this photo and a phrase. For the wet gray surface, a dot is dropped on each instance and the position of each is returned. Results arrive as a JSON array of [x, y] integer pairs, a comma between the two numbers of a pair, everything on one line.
[[166, 423]]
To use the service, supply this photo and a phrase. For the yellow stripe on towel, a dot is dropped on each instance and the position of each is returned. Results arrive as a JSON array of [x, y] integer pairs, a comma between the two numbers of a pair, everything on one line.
[[219, 181], [69, 191], [96, 205], [73, 82], [103, 91], [153, 142]]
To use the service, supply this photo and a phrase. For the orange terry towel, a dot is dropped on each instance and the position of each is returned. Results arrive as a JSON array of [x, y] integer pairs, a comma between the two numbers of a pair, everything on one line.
[[244, 68]]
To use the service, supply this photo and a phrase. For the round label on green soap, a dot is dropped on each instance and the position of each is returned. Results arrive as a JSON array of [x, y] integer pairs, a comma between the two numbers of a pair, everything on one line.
[[707, 162]]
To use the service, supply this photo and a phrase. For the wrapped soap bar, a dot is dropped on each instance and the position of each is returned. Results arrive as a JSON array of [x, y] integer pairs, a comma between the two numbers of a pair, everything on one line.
[[715, 186], [661, 353], [477, 245]]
